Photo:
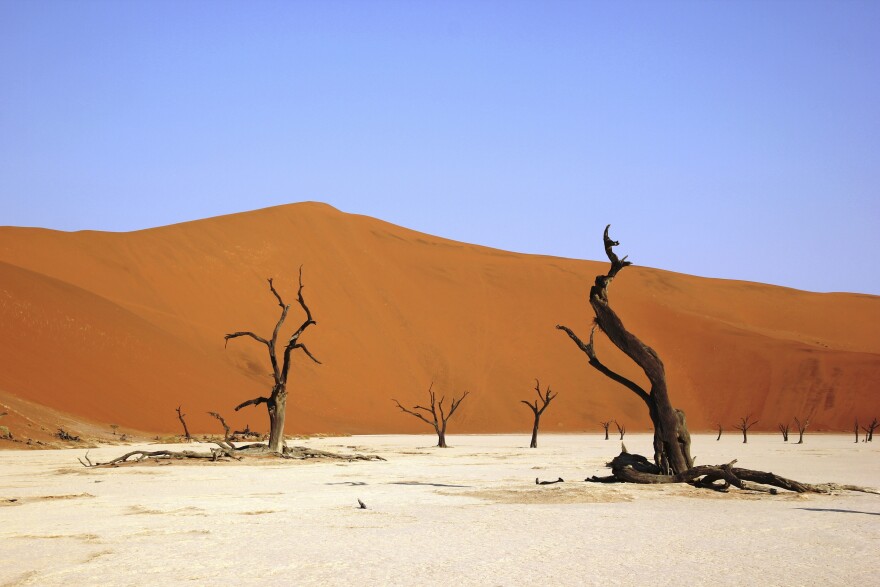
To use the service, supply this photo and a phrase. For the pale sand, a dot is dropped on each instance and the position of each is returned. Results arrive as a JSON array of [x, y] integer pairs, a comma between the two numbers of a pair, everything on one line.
[[467, 515]]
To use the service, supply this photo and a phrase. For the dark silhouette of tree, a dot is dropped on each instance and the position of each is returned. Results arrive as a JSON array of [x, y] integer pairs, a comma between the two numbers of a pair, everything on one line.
[[226, 432], [621, 429], [784, 428], [276, 401], [744, 426], [605, 425], [439, 417], [672, 460], [671, 438], [181, 417], [720, 430], [802, 427], [869, 430], [545, 401]]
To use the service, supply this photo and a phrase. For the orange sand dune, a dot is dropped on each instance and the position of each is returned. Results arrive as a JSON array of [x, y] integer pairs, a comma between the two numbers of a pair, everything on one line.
[[124, 327]]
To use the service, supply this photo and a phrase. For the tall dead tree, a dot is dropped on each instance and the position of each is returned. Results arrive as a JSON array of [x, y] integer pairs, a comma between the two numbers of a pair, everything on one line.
[[181, 417], [545, 401], [226, 433], [869, 430], [276, 401], [802, 427], [621, 429], [672, 460], [720, 430], [744, 426], [784, 428], [439, 417], [856, 430], [605, 425], [671, 438]]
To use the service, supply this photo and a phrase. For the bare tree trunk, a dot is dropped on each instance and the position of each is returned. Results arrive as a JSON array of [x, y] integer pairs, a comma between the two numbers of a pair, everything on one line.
[[801, 426], [276, 403], [672, 459], [181, 416], [621, 429], [226, 433], [744, 425], [671, 438], [720, 430], [545, 401], [605, 425], [856, 430], [439, 417], [784, 429]]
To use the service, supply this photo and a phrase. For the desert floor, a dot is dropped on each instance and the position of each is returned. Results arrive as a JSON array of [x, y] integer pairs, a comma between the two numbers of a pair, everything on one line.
[[467, 515]]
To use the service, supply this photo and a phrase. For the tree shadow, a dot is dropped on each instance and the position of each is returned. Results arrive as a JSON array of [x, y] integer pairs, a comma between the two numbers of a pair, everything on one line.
[[350, 483], [840, 511], [430, 484]]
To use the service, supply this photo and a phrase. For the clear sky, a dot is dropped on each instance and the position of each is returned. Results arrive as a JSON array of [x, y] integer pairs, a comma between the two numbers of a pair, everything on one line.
[[723, 139]]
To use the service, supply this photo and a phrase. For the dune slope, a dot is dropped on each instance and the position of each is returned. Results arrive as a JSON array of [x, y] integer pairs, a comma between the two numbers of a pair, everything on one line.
[[124, 327]]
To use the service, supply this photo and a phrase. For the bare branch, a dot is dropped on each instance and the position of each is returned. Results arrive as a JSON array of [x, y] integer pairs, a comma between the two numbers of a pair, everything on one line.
[[229, 337], [411, 413], [252, 402]]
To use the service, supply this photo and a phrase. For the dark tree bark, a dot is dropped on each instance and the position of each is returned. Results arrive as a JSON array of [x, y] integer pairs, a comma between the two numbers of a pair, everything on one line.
[[672, 459], [226, 434], [744, 426], [605, 425], [276, 402], [856, 430], [621, 429], [671, 437], [869, 430], [545, 401], [720, 430], [784, 429], [181, 417], [439, 418], [802, 427]]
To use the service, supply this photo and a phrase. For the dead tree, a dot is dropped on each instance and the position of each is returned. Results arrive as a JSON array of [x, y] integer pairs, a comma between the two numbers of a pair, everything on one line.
[[869, 430], [621, 429], [545, 401], [744, 426], [181, 416], [439, 418], [801, 426], [720, 430], [672, 461], [276, 402], [671, 438], [856, 430], [605, 425], [226, 434], [784, 428]]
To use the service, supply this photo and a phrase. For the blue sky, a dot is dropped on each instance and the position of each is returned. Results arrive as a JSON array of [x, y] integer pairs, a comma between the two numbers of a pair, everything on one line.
[[723, 139]]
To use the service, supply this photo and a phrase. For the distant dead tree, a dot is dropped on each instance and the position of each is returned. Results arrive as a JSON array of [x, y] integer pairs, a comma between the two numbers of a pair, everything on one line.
[[439, 418], [856, 430], [744, 426], [621, 429], [605, 425], [276, 402], [801, 426], [672, 458], [720, 430], [226, 434], [115, 427], [181, 416], [869, 430], [784, 428], [545, 401]]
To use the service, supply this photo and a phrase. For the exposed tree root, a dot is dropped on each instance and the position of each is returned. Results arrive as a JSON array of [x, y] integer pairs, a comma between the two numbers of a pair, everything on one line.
[[226, 451], [630, 468]]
